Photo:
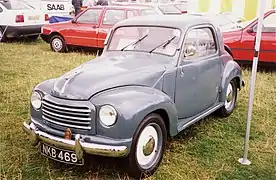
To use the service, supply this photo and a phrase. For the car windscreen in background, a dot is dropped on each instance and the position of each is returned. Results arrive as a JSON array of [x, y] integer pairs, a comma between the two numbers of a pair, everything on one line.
[[182, 7], [15, 5], [168, 9]]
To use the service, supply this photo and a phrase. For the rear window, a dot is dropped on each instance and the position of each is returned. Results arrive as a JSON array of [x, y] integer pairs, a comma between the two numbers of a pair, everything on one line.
[[112, 16], [16, 5]]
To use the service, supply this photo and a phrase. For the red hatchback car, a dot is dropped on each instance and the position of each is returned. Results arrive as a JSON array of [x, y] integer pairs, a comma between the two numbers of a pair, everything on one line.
[[240, 41], [90, 28]]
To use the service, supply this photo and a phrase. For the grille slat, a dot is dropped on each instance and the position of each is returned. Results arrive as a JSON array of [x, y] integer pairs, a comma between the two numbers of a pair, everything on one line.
[[78, 117], [65, 120], [67, 125], [66, 113], [68, 117], [73, 109]]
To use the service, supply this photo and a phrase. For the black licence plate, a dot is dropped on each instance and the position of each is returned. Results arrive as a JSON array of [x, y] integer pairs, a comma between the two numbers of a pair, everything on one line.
[[61, 155]]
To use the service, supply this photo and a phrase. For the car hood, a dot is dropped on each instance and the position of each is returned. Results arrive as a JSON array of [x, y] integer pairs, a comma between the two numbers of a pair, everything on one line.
[[109, 71]]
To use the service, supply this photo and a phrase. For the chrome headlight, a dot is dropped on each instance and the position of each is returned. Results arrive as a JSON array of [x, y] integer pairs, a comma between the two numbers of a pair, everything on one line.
[[108, 115], [36, 100]]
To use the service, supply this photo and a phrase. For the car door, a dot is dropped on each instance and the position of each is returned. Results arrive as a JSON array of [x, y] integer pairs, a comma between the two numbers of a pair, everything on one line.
[[110, 17], [268, 41], [198, 74], [84, 31]]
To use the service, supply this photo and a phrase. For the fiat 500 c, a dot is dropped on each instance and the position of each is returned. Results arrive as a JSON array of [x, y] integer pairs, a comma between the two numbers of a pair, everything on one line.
[[156, 77]]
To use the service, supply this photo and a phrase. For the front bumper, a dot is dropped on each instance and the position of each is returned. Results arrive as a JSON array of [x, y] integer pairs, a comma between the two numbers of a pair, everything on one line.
[[78, 145], [22, 31]]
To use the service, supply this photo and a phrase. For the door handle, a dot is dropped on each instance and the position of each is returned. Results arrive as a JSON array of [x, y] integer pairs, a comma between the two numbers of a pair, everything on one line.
[[181, 72]]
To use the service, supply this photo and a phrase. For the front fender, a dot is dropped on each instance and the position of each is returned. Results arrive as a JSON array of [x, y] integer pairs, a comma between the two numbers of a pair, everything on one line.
[[231, 70], [133, 104]]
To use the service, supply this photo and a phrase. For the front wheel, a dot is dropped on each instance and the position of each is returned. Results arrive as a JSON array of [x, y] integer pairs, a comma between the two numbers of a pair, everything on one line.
[[148, 146], [230, 99], [58, 44]]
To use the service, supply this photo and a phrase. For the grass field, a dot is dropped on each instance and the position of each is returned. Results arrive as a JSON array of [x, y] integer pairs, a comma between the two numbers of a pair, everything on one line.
[[207, 150]]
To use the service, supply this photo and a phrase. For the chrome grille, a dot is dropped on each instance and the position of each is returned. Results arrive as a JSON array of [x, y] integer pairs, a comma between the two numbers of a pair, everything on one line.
[[78, 117]]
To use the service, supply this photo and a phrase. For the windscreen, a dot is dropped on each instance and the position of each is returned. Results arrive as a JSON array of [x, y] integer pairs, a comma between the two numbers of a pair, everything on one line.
[[151, 39]]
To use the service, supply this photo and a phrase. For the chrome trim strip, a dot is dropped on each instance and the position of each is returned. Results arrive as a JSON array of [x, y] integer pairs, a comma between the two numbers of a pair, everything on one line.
[[79, 146], [65, 112], [66, 109], [66, 125], [87, 123], [68, 117]]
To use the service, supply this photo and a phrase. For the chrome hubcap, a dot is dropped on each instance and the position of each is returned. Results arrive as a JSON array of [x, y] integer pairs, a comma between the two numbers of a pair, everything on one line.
[[229, 97], [149, 146], [57, 44]]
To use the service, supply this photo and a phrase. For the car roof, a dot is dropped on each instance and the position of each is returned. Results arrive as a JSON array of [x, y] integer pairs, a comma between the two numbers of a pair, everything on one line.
[[177, 21]]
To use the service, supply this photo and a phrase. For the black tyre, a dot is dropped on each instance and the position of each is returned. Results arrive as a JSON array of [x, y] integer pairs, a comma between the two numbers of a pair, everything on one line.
[[148, 146], [33, 38], [58, 44], [230, 99], [3, 38]]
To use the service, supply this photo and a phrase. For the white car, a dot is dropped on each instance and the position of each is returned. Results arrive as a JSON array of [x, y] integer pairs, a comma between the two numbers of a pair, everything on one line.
[[56, 7], [18, 19]]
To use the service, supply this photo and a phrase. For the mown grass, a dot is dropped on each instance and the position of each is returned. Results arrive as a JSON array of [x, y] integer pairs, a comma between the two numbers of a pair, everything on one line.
[[207, 150]]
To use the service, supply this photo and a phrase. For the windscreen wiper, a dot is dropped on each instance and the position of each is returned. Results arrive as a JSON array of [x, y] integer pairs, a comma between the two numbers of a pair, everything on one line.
[[135, 42], [164, 44]]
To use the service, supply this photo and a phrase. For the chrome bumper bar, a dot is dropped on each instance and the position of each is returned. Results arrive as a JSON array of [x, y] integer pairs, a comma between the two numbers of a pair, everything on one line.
[[77, 145]]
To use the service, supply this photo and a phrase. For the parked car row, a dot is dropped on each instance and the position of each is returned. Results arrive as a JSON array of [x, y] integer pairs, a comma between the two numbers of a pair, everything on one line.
[[90, 28]]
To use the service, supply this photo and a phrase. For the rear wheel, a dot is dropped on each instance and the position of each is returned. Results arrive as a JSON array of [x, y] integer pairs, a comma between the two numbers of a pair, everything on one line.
[[58, 44], [147, 147], [3, 38], [230, 99]]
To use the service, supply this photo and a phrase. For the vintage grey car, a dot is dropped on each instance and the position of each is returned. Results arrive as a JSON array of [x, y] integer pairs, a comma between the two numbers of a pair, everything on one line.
[[155, 77]]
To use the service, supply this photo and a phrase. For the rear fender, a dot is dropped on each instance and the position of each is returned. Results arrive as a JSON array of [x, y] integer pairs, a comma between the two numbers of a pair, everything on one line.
[[231, 71]]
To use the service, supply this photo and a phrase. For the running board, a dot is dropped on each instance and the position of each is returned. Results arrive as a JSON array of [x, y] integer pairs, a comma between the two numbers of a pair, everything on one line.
[[209, 111]]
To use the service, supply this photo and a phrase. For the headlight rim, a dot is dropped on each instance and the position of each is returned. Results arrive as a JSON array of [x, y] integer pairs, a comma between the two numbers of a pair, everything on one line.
[[40, 97], [102, 121]]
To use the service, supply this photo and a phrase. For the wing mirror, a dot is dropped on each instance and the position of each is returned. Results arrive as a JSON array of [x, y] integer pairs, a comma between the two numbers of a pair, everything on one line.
[[250, 30], [190, 51]]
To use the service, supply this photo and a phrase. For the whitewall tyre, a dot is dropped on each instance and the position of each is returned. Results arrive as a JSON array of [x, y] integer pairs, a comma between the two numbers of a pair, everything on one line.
[[58, 44], [148, 146], [230, 99]]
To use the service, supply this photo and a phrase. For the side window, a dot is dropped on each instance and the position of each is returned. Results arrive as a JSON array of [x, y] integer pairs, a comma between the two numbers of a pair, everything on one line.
[[1, 10], [270, 23], [91, 16], [199, 43], [113, 16], [130, 14]]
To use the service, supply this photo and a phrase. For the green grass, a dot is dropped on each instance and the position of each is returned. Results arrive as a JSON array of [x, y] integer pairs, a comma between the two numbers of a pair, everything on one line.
[[207, 150]]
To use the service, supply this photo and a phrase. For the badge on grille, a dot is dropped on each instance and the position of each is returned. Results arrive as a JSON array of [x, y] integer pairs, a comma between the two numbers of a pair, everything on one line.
[[68, 134]]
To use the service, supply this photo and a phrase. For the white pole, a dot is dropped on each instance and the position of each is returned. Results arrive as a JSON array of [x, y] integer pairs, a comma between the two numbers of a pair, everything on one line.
[[262, 6]]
